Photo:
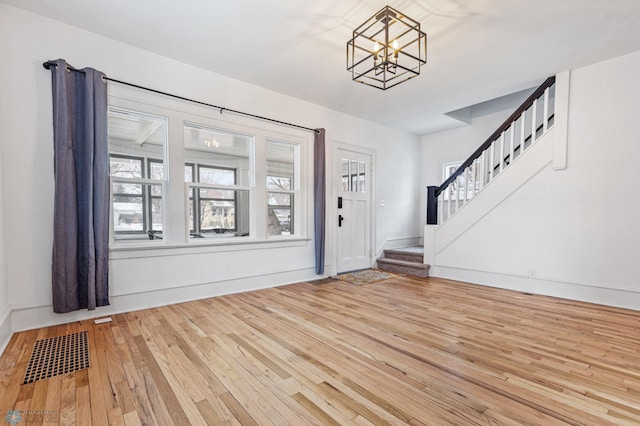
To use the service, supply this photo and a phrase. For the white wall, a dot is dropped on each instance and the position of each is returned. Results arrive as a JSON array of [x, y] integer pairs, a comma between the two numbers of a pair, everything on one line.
[[145, 278], [558, 234], [5, 317]]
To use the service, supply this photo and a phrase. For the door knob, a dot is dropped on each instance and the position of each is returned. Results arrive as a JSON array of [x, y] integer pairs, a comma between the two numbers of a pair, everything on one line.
[[340, 219]]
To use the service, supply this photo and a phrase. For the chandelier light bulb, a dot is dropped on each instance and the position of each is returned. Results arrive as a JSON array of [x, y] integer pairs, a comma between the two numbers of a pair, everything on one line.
[[378, 63]]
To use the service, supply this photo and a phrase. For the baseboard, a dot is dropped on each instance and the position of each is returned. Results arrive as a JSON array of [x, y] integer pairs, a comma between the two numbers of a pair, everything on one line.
[[617, 297], [5, 331], [30, 317]]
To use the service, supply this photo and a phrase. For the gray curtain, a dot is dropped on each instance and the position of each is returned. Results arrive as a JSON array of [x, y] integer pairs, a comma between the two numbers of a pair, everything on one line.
[[319, 197], [81, 172]]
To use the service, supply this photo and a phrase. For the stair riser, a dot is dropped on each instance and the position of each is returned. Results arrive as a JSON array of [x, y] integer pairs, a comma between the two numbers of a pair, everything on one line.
[[407, 257], [407, 270]]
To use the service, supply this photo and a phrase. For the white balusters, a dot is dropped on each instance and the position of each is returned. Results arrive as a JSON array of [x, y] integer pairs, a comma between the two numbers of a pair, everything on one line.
[[501, 162], [484, 168], [473, 178], [466, 180], [534, 121], [512, 142], [545, 119], [523, 122], [492, 160], [458, 187], [448, 201]]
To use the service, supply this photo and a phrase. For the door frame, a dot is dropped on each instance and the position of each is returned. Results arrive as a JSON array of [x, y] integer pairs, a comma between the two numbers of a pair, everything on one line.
[[333, 203]]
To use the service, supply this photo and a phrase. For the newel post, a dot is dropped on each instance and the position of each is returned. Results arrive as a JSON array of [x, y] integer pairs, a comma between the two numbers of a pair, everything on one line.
[[432, 205]]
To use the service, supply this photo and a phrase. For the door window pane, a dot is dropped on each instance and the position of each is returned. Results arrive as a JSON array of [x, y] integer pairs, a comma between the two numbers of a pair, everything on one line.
[[362, 176], [354, 175], [345, 175]]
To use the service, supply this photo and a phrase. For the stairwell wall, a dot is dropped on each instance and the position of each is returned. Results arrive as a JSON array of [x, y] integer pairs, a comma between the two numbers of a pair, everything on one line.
[[559, 234]]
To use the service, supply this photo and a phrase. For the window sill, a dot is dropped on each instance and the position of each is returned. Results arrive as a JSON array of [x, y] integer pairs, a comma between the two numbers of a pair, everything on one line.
[[156, 249]]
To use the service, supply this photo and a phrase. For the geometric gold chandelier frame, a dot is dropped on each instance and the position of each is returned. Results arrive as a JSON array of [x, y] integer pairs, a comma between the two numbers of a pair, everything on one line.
[[386, 50]]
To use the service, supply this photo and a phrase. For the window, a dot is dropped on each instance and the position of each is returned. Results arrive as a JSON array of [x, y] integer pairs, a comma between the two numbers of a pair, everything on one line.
[[354, 176], [136, 147], [217, 175], [214, 208], [455, 191], [281, 187], [181, 176]]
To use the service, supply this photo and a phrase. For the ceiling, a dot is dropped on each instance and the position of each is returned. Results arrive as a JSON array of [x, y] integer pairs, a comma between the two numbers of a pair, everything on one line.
[[477, 49]]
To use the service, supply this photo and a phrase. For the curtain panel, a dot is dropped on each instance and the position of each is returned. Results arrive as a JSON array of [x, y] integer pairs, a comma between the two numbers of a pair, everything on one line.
[[319, 197], [80, 264]]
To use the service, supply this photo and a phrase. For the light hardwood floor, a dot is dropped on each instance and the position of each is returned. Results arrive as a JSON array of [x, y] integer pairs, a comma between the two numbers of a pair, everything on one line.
[[402, 351]]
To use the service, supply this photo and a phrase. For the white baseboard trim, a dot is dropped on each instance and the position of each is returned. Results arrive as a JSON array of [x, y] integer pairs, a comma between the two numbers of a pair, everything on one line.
[[30, 317], [617, 297], [5, 331]]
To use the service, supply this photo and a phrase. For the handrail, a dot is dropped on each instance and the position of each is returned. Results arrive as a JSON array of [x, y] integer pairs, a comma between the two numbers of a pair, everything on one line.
[[498, 136], [507, 123]]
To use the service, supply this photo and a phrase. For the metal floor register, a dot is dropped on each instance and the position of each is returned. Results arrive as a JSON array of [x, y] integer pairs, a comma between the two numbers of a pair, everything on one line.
[[58, 355]]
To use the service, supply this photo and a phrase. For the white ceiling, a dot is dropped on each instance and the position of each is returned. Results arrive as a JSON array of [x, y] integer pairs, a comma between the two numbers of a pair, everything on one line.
[[477, 49]]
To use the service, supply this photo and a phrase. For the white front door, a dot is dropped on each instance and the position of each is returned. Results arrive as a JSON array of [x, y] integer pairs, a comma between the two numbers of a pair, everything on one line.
[[353, 173]]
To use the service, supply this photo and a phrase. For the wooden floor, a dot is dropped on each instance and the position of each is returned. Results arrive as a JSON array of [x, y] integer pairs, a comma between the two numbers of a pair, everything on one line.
[[401, 351]]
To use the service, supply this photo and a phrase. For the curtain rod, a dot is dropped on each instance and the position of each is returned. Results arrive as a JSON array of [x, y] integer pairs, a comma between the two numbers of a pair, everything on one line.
[[49, 64]]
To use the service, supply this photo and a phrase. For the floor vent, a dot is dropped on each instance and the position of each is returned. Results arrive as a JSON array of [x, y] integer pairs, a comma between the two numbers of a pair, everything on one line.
[[58, 355]]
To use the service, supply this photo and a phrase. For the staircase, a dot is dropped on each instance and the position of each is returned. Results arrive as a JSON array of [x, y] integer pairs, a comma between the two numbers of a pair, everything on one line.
[[405, 260], [518, 133]]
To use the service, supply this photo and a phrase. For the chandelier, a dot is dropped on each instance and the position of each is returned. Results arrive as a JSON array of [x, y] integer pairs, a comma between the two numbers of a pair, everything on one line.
[[386, 50]]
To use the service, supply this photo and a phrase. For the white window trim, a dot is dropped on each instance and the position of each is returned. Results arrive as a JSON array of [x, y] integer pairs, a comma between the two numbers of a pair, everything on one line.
[[180, 113]]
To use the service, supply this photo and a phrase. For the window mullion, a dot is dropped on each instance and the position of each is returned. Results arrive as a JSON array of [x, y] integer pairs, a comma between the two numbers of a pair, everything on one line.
[[196, 210], [259, 198], [175, 217]]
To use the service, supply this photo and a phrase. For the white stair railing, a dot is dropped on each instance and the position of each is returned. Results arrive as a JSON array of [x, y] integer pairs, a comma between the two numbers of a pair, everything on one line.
[[521, 130]]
